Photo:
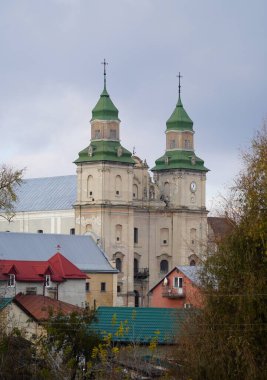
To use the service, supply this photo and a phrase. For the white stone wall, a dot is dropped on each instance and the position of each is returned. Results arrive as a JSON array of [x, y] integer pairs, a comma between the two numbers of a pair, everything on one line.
[[73, 292], [55, 222]]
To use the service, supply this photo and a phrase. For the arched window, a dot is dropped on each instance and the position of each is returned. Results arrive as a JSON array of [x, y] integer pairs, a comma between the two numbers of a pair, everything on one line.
[[118, 184], [135, 191], [90, 186], [136, 266], [164, 266], [192, 263], [166, 189], [118, 264]]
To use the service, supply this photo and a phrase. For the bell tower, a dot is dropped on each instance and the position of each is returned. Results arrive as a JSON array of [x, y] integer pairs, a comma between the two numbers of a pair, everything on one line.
[[179, 173], [104, 206], [181, 178]]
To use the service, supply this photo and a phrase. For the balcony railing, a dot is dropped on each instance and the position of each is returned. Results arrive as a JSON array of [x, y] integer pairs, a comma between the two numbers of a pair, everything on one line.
[[171, 292], [141, 274]]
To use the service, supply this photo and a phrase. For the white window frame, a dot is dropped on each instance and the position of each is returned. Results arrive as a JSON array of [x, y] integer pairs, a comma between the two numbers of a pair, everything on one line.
[[47, 281], [178, 282], [11, 280]]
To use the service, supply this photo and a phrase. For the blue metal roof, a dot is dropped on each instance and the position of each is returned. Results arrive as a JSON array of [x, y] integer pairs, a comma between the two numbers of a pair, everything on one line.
[[191, 272], [81, 250], [44, 194], [140, 324]]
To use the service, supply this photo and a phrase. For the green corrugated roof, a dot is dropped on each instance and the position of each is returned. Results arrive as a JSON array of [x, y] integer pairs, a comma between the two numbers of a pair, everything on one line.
[[139, 325], [179, 118], [104, 150], [179, 159], [4, 302], [105, 109]]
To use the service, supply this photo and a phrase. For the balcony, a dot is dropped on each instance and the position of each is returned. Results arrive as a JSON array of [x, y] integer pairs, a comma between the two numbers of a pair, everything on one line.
[[171, 292], [141, 273]]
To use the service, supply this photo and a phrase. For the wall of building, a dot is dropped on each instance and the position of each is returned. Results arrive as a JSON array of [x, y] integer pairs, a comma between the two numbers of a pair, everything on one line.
[[95, 296], [55, 222], [72, 291]]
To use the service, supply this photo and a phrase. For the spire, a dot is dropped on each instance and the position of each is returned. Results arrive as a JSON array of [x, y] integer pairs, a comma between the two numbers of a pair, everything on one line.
[[105, 63], [179, 118], [105, 109], [179, 85]]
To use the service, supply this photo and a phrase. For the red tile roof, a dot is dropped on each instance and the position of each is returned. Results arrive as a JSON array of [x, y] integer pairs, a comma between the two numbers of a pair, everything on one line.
[[39, 307], [64, 267], [58, 267]]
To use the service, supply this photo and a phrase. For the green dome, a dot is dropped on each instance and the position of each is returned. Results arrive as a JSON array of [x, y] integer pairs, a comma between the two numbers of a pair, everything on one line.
[[105, 109], [179, 119]]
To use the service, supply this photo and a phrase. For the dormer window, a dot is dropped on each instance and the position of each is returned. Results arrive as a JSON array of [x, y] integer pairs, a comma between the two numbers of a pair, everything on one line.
[[47, 280], [11, 281]]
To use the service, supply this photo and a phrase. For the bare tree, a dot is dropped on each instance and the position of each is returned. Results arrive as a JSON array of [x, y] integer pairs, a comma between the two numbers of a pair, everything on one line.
[[10, 179]]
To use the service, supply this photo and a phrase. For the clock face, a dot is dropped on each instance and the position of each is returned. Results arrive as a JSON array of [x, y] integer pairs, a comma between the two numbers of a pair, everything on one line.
[[193, 186]]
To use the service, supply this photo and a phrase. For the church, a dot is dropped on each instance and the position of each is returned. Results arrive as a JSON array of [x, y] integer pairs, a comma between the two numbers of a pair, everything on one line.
[[146, 221]]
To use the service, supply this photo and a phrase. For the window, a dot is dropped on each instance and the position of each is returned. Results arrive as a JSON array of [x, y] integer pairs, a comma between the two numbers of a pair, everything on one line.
[[118, 264], [47, 280], [11, 281], [192, 263], [90, 181], [187, 144], [103, 287], [118, 232], [72, 231], [135, 191], [118, 184], [193, 234], [31, 290], [178, 282], [97, 134], [172, 144], [40, 231], [87, 287], [164, 236], [112, 134], [164, 266], [167, 189], [188, 306], [118, 288], [136, 266], [135, 235]]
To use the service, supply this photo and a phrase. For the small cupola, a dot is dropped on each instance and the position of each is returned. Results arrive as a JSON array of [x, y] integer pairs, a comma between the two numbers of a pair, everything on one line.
[[179, 120], [105, 109]]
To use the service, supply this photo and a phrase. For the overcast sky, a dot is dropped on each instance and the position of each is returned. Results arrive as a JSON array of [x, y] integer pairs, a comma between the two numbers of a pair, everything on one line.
[[51, 77]]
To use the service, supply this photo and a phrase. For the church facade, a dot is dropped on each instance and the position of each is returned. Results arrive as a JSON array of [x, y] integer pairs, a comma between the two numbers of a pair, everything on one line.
[[147, 222]]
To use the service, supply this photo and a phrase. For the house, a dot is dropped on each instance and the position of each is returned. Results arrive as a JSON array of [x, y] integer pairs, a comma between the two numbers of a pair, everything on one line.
[[56, 278], [28, 312], [81, 254], [180, 288]]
